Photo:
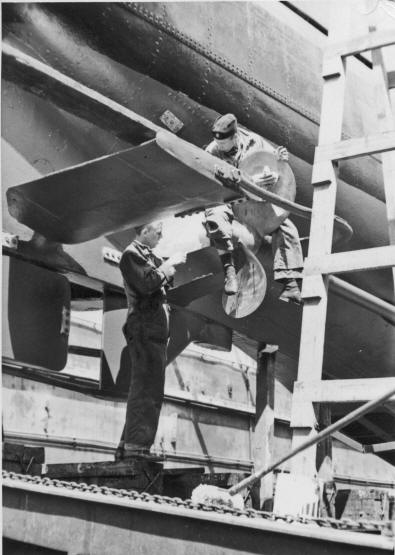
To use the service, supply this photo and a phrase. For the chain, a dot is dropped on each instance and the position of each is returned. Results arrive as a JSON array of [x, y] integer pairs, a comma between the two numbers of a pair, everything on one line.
[[344, 524]]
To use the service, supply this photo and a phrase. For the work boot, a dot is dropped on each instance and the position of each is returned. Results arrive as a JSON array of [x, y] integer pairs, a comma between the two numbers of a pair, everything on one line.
[[230, 284], [141, 454], [119, 453], [291, 292]]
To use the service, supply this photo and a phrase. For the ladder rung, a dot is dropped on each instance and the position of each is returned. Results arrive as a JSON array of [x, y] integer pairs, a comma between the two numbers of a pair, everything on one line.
[[344, 391], [380, 447], [352, 148], [371, 41], [351, 261]]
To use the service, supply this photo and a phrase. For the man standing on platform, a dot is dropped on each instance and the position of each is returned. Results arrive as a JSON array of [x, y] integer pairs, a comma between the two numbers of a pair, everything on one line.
[[146, 278]]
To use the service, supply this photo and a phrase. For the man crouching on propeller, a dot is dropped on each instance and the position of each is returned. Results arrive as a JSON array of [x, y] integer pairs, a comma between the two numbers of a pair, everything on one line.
[[233, 144]]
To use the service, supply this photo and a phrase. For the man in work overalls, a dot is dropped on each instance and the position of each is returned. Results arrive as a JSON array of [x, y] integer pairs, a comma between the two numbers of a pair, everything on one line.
[[146, 277], [232, 144]]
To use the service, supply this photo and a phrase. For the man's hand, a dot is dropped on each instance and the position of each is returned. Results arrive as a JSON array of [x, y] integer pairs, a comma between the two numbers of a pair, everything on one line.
[[282, 153], [168, 266], [230, 179], [267, 178], [167, 269], [177, 258]]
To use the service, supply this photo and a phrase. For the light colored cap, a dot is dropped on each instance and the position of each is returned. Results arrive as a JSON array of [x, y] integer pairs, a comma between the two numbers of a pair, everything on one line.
[[224, 126]]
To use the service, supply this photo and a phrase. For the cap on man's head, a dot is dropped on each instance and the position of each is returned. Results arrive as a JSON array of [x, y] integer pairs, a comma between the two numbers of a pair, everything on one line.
[[224, 126]]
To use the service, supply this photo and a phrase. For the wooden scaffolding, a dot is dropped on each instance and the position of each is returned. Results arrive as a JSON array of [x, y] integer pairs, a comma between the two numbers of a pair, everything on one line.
[[312, 399]]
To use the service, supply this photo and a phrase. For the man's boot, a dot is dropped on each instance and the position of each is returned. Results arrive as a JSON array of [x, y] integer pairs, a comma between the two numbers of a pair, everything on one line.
[[119, 452], [230, 285], [141, 453], [291, 292]]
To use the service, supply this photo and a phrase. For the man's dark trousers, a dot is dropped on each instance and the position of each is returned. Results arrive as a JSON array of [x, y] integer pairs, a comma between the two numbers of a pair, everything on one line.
[[147, 334]]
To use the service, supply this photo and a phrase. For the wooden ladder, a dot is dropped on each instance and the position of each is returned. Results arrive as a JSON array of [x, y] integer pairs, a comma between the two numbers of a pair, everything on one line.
[[320, 263]]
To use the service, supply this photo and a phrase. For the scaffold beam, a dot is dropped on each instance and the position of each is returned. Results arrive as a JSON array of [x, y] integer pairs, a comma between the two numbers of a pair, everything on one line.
[[352, 148], [351, 261], [344, 391], [360, 44]]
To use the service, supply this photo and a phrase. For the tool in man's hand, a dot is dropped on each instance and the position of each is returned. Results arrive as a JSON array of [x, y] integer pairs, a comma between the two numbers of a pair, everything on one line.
[[267, 178]]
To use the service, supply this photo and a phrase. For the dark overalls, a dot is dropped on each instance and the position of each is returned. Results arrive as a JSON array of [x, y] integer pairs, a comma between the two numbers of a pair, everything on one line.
[[147, 333]]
